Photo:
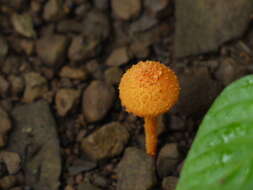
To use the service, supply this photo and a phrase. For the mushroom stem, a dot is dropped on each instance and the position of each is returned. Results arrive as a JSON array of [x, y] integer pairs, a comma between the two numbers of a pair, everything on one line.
[[150, 135]]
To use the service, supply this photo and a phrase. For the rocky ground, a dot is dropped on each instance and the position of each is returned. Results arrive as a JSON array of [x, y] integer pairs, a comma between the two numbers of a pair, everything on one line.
[[61, 122]]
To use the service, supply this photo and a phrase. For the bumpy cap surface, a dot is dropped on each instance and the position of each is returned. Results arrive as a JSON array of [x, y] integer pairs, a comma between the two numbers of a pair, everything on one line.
[[149, 89]]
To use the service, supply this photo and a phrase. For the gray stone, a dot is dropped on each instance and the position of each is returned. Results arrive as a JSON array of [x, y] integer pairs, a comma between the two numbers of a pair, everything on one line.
[[229, 70], [81, 166], [5, 126], [69, 25], [65, 83], [94, 69], [101, 4], [96, 30], [97, 25], [35, 86], [35, 140], [66, 99], [87, 186], [169, 183], [17, 188], [83, 9], [118, 57], [82, 48], [27, 46], [12, 161], [100, 181], [154, 7], [15, 4], [98, 98], [139, 49], [12, 64], [6, 104], [144, 23], [52, 48], [23, 25], [17, 84], [106, 142], [36, 6], [4, 86], [197, 86], [7, 182], [53, 10], [143, 40], [167, 159], [136, 171], [3, 48], [69, 187], [196, 29], [73, 73], [126, 9], [113, 75]]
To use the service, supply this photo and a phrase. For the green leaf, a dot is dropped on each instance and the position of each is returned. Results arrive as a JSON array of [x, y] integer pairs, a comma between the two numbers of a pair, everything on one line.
[[221, 157]]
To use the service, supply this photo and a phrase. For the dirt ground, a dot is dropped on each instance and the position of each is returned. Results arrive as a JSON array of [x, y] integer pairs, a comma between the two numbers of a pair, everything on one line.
[[61, 122]]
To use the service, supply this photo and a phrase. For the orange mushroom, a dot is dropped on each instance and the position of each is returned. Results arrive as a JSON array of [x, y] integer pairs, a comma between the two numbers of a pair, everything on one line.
[[147, 90]]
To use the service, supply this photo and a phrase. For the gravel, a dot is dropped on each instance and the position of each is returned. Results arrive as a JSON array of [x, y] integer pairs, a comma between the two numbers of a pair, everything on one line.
[[60, 66]]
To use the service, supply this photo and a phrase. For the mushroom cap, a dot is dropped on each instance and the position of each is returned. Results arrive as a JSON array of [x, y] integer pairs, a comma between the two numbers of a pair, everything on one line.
[[149, 89]]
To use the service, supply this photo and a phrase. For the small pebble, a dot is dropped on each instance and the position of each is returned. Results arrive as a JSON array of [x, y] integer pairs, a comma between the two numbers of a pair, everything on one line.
[[12, 161], [7, 182], [118, 57], [73, 73]]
